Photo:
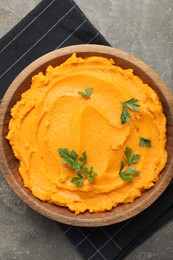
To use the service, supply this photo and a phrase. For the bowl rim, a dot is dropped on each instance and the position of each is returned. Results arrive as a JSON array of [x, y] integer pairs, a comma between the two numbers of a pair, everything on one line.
[[94, 220]]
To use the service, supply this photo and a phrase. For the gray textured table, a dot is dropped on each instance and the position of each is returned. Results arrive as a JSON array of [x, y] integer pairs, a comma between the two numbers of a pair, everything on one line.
[[143, 28]]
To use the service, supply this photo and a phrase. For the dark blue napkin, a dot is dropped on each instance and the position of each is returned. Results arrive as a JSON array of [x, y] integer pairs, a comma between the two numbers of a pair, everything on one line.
[[51, 25]]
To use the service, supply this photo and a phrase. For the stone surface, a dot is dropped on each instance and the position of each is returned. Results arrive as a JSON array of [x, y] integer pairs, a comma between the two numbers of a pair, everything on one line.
[[143, 28]]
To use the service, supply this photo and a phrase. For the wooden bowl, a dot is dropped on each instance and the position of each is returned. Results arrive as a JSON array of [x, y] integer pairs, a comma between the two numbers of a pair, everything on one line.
[[10, 164]]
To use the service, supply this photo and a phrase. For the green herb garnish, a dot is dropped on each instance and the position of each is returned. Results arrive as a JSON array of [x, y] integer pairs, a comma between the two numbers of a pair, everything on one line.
[[144, 142], [131, 104], [129, 158], [79, 165], [87, 93], [78, 181], [127, 175], [69, 158], [125, 116]]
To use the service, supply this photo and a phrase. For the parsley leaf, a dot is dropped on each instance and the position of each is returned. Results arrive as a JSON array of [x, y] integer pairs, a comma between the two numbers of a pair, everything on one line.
[[144, 142], [125, 116], [129, 157], [127, 175], [131, 104], [87, 93], [69, 158], [121, 166], [78, 164], [83, 158], [78, 181], [92, 176]]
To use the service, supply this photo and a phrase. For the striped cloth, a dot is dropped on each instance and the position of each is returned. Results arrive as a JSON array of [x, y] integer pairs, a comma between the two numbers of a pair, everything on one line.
[[51, 25]]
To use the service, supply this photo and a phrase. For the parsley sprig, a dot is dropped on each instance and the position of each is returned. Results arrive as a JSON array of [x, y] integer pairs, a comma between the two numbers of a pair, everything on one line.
[[131, 104], [144, 142], [129, 158], [79, 165], [127, 175], [87, 93]]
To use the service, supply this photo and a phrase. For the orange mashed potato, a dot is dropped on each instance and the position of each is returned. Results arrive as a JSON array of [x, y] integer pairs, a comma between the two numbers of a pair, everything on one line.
[[52, 114]]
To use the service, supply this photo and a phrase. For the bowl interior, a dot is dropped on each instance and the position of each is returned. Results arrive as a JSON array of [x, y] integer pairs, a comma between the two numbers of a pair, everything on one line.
[[10, 164]]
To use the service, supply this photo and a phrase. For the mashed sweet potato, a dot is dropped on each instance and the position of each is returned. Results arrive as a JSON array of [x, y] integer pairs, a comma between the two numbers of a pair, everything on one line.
[[52, 114]]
